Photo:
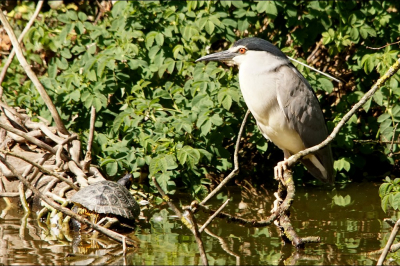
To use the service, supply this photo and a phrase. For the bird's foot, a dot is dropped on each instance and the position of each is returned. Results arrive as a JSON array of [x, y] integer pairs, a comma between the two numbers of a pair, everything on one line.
[[277, 202], [280, 168]]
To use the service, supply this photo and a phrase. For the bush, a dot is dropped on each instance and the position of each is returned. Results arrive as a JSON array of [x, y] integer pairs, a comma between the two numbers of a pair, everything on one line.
[[161, 114]]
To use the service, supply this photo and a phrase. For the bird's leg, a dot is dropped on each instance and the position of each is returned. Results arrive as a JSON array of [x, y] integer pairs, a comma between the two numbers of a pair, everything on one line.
[[278, 174], [280, 168]]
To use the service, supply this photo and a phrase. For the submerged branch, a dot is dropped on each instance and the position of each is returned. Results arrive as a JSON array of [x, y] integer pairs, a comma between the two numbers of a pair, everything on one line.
[[187, 219], [390, 242]]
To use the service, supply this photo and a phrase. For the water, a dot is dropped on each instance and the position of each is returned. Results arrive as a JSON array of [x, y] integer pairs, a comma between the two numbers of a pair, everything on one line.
[[348, 220]]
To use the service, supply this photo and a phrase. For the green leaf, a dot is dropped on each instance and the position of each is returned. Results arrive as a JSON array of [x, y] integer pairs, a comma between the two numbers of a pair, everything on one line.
[[112, 168], [206, 127], [150, 38], [326, 84], [262, 6], [82, 16], [341, 164], [162, 162], [384, 203], [189, 156], [367, 105], [271, 8], [159, 39], [118, 8], [210, 27]]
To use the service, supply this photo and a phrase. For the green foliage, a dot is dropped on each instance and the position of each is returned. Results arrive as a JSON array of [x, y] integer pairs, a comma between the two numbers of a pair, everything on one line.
[[160, 112], [389, 192]]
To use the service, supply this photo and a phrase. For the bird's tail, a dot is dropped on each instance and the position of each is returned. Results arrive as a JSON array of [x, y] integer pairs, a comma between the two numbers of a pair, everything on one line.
[[320, 165]]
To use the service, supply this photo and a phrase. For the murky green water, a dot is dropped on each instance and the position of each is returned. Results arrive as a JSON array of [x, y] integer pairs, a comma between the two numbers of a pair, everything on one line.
[[349, 222]]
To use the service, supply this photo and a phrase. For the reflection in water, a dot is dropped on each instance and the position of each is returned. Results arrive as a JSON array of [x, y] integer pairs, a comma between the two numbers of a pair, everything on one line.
[[348, 220]]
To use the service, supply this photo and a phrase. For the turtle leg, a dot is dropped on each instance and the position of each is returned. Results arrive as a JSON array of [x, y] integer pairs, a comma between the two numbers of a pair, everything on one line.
[[109, 221]]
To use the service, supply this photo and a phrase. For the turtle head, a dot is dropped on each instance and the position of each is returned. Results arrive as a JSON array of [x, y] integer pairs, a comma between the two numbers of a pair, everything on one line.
[[126, 181]]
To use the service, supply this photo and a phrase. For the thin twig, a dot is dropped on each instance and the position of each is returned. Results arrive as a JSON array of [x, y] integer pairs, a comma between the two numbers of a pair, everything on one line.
[[316, 70], [91, 132], [167, 199], [187, 219], [310, 57], [392, 70], [235, 170], [393, 248], [392, 142], [31, 139], [389, 243], [209, 220], [9, 194], [378, 48], [234, 219], [196, 233], [88, 156], [22, 198], [101, 12], [224, 245], [20, 37], [50, 105], [375, 141]]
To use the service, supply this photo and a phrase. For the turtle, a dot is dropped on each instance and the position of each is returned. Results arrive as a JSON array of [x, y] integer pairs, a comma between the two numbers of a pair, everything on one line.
[[106, 200]]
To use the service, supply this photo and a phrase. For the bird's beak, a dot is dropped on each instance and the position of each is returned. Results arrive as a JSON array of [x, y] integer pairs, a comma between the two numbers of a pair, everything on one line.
[[224, 56]]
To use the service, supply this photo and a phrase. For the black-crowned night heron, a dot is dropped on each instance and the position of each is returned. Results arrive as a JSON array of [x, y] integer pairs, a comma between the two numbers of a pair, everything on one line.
[[282, 102]]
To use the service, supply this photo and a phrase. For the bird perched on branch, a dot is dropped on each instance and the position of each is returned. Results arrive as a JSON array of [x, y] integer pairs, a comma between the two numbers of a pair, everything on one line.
[[282, 102]]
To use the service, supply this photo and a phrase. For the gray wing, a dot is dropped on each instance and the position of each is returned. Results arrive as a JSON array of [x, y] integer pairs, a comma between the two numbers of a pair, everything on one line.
[[301, 108]]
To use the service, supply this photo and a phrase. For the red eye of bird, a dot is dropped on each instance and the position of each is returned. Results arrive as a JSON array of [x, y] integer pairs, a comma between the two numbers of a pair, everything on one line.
[[242, 50]]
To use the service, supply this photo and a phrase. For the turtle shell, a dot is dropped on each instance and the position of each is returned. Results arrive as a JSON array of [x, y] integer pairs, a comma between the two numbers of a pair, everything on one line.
[[109, 198]]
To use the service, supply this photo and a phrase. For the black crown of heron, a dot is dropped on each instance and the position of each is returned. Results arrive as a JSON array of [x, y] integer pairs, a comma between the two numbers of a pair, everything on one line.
[[282, 101]]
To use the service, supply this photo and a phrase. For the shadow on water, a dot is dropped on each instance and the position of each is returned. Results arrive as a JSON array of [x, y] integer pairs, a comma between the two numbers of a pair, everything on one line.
[[349, 222]]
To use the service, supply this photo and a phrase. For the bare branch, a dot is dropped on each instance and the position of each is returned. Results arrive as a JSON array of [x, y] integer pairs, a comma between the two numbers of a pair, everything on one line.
[[22, 197], [32, 75], [20, 37], [378, 48], [187, 219], [389, 243], [88, 156], [33, 140], [209, 220], [235, 170], [44, 170], [196, 233]]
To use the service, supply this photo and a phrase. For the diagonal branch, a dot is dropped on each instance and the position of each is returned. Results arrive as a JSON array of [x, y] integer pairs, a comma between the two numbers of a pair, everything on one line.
[[385, 251], [235, 171], [57, 119], [20, 37], [392, 70]]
